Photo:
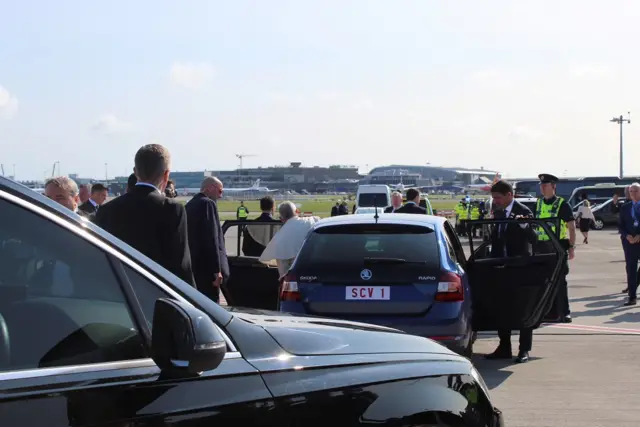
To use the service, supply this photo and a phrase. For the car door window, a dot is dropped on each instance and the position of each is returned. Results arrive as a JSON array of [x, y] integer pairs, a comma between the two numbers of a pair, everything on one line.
[[146, 292], [61, 303], [455, 243]]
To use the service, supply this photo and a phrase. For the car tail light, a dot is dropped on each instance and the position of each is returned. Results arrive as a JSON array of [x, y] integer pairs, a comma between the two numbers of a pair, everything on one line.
[[289, 288], [450, 288]]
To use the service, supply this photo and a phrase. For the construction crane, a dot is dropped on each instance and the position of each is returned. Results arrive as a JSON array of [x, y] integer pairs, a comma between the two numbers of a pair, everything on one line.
[[242, 156], [53, 170]]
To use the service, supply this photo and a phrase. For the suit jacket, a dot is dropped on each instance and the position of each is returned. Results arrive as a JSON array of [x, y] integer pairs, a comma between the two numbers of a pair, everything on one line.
[[516, 239], [334, 211], [87, 207], [388, 209], [152, 224], [626, 222], [206, 239], [412, 208], [250, 247]]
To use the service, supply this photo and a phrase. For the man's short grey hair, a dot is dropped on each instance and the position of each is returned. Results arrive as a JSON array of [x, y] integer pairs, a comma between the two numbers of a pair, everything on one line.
[[87, 186], [64, 183], [396, 193], [209, 180], [287, 210], [635, 185], [151, 162]]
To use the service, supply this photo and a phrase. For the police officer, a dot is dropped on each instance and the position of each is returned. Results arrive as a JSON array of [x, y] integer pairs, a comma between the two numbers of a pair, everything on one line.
[[551, 206], [461, 211], [242, 213]]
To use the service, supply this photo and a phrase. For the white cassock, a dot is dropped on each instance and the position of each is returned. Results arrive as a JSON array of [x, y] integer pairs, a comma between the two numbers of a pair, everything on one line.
[[286, 243]]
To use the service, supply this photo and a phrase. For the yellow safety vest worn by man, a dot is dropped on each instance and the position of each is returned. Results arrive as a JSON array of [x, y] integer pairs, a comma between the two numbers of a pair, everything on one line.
[[243, 212], [545, 210], [552, 206]]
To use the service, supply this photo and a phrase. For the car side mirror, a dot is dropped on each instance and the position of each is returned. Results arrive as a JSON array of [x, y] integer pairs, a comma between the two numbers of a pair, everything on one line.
[[184, 340]]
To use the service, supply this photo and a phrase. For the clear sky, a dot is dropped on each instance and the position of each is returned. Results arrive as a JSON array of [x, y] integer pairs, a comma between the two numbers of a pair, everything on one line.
[[518, 86]]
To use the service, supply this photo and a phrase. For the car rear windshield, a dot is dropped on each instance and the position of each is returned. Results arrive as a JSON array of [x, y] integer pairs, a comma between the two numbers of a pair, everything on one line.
[[370, 200], [353, 243]]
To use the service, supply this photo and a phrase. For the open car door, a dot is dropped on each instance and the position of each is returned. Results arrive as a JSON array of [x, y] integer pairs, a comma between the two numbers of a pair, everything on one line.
[[251, 283], [515, 292]]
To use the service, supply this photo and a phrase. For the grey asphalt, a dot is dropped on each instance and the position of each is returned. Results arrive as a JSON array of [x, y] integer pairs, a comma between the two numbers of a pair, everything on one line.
[[581, 374]]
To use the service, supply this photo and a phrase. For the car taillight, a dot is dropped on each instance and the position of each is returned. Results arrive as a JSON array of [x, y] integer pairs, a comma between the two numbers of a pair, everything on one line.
[[450, 288], [289, 288]]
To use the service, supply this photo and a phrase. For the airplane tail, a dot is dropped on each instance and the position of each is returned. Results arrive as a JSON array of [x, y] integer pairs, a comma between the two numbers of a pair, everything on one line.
[[256, 184]]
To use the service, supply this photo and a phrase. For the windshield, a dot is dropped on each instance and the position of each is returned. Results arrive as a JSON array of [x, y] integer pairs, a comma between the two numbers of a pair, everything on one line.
[[369, 200], [375, 243]]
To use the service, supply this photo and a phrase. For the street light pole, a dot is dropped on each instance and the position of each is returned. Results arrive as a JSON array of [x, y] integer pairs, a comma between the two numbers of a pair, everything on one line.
[[620, 120], [106, 173]]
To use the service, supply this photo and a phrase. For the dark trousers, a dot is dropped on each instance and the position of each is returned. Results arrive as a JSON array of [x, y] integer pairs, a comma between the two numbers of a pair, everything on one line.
[[206, 287], [631, 257], [563, 291], [526, 339]]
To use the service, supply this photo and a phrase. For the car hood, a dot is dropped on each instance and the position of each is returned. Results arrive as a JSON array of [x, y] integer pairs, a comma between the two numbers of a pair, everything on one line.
[[305, 335]]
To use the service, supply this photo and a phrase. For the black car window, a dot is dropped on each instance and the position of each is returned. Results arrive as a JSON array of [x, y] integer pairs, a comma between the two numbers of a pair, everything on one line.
[[455, 243], [146, 292], [351, 243], [60, 301]]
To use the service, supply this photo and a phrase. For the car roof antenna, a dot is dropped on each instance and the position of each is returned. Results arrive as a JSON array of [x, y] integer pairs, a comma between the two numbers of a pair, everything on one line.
[[375, 205]]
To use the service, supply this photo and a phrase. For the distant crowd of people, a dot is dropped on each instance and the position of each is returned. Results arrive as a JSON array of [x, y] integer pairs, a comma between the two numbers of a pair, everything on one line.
[[186, 239]]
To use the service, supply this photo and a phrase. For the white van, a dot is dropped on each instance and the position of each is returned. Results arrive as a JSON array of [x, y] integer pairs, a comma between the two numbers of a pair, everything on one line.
[[372, 195]]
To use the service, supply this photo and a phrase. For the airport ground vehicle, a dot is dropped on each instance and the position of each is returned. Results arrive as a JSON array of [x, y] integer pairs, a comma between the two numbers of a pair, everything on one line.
[[604, 214], [566, 186], [93, 333], [437, 291], [371, 195], [596, 194]]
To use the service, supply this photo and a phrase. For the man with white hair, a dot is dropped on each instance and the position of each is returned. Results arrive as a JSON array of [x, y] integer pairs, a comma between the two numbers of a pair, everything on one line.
[[64, 190], [629, 228], [206, 239], [396, 202], [284, 247]]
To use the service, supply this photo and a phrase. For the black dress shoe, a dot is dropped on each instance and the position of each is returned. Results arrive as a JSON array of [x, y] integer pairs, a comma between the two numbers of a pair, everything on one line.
[[567, 319], [630, 302], [523, 357], [500, 353], [625, 291]]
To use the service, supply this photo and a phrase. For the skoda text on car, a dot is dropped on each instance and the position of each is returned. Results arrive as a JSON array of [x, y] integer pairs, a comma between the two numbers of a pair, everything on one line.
[[398, 271]]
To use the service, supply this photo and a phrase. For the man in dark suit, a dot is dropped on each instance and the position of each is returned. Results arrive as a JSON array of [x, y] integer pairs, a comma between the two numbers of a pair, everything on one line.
[[65, 191], [206, 240], [510, 240], [99, 194], [413, 203], [629, 228], [263, 233], [396, 202], [334, 209], [146, 219]]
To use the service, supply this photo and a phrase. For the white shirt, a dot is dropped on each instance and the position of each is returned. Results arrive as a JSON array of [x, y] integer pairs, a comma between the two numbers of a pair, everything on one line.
[[585, 212], [95, 205], [146, 184]]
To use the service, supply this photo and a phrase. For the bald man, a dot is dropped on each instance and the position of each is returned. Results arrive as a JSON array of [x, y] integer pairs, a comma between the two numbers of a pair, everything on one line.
[[206, 240]]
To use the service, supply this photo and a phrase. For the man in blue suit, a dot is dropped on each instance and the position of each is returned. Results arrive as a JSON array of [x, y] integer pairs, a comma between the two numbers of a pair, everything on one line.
[[629, 228]]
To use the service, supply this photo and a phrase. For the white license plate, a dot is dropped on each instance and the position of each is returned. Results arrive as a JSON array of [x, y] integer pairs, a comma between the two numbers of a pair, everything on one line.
[[375, 293]]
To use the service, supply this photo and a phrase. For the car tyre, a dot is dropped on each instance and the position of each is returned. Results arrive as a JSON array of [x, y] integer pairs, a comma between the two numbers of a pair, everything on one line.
[[598, 224], [468, 351]]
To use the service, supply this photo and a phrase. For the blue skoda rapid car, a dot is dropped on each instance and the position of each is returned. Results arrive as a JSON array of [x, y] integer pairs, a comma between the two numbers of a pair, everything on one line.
[[410, 272]]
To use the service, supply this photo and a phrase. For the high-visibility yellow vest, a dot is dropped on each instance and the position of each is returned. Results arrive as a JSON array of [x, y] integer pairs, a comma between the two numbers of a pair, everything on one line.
[[475, 213], [543, 211], [242, 212]]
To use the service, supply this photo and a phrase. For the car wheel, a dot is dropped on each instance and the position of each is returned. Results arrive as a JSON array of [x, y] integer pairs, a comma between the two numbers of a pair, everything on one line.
[[598, 224]]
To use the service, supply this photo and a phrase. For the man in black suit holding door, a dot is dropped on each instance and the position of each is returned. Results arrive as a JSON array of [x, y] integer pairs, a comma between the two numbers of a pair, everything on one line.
[[146, 219], [510, 240]]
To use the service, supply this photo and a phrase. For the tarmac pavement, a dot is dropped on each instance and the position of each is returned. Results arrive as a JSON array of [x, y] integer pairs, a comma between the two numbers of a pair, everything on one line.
[[580, 374], [583, 374]]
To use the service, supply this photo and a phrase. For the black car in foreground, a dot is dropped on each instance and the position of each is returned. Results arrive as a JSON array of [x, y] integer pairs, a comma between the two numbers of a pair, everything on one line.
[[93, 333]]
